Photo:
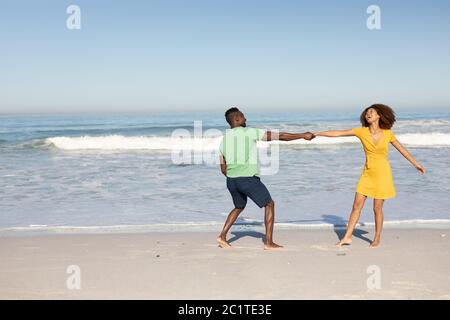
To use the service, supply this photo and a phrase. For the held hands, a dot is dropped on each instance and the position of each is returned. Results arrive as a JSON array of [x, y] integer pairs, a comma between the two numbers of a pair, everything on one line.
[[309, 136]]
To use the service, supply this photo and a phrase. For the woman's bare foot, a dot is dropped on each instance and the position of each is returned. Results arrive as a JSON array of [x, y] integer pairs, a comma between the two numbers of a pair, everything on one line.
[[223, 243], [272, 246], [375, 243], [344, 242]]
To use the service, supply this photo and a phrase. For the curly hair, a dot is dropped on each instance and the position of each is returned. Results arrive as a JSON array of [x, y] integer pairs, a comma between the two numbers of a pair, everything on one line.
[[387, 116]]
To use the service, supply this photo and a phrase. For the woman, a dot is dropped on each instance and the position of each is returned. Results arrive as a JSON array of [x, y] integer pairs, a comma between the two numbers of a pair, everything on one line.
[[376, 179]]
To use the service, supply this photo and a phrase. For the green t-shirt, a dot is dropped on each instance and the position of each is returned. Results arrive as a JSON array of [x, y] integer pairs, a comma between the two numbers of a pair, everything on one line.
[[238, 147]]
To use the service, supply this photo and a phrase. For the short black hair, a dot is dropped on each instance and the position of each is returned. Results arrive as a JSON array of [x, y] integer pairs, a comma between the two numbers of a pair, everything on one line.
[[229, 113]]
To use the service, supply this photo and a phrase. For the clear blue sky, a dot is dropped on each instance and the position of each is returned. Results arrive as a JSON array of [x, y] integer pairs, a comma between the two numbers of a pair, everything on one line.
[[209, 54]]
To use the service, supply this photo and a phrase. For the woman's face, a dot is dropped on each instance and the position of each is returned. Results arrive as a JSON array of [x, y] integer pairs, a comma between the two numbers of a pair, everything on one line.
[[372, 116]]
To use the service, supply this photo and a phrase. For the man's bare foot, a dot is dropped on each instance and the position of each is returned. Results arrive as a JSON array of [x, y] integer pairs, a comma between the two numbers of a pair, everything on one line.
[[223, 243], [375, 244], [272, 246], [344, 242]]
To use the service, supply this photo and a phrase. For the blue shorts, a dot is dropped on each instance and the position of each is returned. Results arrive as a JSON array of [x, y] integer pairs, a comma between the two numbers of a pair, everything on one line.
[[252, 187]]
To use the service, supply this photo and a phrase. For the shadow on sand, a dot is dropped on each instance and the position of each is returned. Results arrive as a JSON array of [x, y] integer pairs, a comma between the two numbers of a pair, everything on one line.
[[241, 234], [339, 226]]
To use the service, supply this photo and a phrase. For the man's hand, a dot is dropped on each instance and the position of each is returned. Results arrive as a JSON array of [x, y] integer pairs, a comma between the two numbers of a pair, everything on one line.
[[223, 165], [309, 136], [285, 136]]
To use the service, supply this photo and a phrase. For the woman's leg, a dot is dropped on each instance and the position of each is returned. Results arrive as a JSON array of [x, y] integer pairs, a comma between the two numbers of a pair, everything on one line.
[[378, 211], [358, 204]]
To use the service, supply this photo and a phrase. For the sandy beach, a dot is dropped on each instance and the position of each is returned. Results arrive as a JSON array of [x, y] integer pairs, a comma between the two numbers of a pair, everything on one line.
[[410, 264]]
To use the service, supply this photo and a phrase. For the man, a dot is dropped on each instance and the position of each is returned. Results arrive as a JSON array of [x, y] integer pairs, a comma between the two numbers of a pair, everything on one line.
[[239, 163]]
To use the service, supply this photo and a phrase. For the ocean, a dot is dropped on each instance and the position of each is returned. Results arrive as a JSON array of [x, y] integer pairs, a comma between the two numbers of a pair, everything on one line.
[[121, 172]]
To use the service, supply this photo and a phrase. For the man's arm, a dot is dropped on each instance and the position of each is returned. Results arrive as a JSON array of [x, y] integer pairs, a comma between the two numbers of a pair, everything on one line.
[[223, 165], [285, 136]]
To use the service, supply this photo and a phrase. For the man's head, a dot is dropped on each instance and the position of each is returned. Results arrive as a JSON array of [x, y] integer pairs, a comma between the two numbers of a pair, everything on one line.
[[235, 118]]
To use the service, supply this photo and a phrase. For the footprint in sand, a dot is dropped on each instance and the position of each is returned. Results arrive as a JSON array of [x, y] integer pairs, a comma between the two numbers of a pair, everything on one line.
[[31, 248], [169, 244], [321, 247], [408, 285]]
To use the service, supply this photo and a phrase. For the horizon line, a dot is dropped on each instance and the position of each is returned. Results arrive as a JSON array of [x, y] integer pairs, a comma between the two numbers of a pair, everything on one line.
[[202, 110]]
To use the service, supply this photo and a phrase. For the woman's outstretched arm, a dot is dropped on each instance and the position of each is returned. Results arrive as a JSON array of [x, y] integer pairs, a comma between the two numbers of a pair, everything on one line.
[[335, 133], [408, 156]]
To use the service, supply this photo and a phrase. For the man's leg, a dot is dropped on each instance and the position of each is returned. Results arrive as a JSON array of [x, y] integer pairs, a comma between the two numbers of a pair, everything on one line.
[[269, 220], [257, 191], [239, 201], [222, 238]]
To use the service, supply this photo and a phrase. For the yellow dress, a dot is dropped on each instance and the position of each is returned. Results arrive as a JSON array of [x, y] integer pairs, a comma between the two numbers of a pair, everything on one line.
[[376, 179]]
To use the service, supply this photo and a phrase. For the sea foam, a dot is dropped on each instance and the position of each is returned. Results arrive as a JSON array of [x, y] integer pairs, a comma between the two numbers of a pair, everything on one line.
[[119, 142]]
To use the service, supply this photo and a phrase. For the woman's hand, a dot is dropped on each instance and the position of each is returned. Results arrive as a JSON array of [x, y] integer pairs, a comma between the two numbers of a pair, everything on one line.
[[420, 168]]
